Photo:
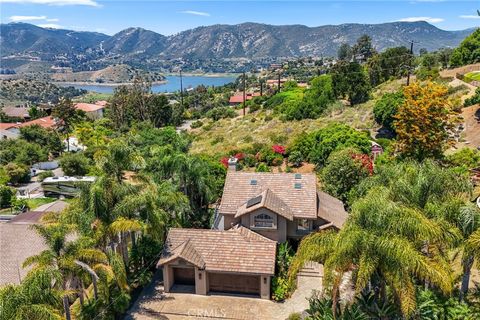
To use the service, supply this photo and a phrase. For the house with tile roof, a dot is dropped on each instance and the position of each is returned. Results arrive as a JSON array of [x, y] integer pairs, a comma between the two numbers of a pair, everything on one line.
[[257, 211], [92, 111]]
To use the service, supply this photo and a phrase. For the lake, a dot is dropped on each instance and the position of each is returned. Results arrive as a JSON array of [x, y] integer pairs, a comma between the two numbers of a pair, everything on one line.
[[172, 84]]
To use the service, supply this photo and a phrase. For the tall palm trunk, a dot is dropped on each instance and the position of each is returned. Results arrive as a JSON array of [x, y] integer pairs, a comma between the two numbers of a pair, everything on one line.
[[66, 308], [467, 268]]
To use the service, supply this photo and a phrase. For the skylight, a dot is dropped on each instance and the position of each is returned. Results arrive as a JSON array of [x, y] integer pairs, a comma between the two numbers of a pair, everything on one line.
[[298, 186]]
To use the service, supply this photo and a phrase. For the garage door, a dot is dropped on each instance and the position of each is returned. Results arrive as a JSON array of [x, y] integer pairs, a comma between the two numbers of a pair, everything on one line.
[[222, 282], [184, 276]]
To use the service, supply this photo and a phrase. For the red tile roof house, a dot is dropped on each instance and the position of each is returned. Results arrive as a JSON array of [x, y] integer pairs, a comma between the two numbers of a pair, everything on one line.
[[93, 111], [237, 98], [257, 211]]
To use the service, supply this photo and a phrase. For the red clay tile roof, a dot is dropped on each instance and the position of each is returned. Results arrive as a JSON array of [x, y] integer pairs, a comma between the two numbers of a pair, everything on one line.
[[5, 126], [236, 99], [269, 201], [187, 252], [89, 107], [331, 209], [239, 189], [237, 250], [101, 103], [46, 122]]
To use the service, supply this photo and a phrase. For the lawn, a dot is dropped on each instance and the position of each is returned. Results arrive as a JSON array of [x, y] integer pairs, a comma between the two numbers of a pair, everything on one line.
[[472, 76], [37, 202]]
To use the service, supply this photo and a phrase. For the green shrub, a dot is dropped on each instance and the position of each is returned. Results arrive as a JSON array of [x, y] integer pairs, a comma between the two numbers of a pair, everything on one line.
[[7, 194], [466, 157], [295, 316], [45, 174], [218, 113], [317, 146], [196, 124], [17, 173], [279, 288], [74, 164], [386, 108], [473, 100], [262, 167], [295, 158]]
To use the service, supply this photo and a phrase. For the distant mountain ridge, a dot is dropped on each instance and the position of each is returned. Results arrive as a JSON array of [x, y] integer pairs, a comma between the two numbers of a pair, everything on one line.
[[246, 40]]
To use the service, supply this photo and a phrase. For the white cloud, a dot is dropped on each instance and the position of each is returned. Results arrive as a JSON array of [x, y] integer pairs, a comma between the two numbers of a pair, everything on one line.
[[26, 18], [32, 18], [427, 19], [92, 3], [196, 13], [469, 16], [50, 26]]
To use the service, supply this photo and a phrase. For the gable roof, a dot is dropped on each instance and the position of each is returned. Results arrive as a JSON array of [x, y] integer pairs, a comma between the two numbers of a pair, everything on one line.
[[236, 250], [239, 189], [187, 252], [270, 201], [89, 107], [331, 209]]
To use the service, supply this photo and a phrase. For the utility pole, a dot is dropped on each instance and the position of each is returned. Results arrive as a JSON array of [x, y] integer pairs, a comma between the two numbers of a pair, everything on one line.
[[181, 88], [410, 63], [244, 93], [279, 75], [261, 87]]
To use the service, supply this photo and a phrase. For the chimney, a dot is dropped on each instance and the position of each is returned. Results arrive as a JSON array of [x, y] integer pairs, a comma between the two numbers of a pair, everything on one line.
[[232, 164]]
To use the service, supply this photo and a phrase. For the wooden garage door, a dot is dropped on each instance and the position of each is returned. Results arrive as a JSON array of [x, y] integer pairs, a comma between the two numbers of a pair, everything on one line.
[[223, 282], [184, 276]]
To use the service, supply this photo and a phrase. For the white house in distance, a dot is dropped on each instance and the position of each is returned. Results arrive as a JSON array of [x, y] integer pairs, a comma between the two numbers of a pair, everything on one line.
[[93, 111]]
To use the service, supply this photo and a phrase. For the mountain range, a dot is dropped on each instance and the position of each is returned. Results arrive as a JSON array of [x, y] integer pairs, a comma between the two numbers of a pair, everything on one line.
[[246, 40]]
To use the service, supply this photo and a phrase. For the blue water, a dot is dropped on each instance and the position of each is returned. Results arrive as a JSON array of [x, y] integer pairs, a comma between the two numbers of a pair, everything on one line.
[[172, 84]]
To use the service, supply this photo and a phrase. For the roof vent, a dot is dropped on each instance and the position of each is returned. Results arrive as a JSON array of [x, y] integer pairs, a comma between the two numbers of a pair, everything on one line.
[[254, 201], [298, 176], [253, 182], [298, 185]]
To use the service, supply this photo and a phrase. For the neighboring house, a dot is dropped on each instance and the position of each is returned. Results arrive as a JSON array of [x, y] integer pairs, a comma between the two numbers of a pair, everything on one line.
[[45, 122], [17, 112], [257, 211], [93, 111], [19, 241], [237, 98]]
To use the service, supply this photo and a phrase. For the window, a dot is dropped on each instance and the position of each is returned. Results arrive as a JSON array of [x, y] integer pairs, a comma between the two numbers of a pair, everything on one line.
[[263, 220], [303, 225]]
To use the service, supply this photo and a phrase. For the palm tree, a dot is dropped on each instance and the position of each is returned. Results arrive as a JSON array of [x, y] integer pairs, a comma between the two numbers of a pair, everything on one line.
[[63, 255], [382, 243], [34, 298], [403, 224]]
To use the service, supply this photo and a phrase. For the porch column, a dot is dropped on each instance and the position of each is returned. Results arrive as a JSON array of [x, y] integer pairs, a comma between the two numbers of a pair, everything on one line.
[[265, 287], [200, 281], [167, 278]]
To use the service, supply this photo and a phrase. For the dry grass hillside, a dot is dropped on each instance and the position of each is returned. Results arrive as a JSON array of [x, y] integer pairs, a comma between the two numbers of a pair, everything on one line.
[[112, 74]]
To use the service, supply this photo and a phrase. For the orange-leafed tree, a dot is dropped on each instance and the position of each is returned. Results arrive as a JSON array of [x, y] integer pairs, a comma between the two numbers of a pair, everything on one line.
[[424, 122]]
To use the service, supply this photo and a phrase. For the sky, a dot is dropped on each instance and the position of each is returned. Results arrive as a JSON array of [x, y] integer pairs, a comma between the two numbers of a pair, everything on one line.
[[170, 17]]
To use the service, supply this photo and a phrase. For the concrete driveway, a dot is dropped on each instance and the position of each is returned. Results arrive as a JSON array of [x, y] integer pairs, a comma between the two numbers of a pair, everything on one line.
[[155, 304]]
